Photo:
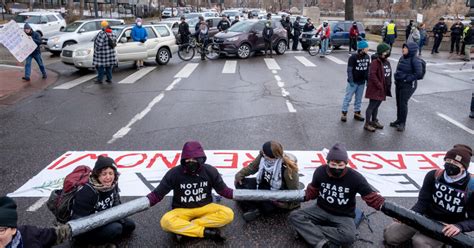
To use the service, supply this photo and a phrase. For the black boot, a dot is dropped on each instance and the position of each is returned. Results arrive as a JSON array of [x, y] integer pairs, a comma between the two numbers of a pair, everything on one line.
[[214, 234], [251, 215], [401, 127], [394, 124], [358, 116]]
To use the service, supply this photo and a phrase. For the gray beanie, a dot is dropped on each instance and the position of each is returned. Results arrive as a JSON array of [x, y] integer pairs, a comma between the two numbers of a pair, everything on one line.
[[338, 152]]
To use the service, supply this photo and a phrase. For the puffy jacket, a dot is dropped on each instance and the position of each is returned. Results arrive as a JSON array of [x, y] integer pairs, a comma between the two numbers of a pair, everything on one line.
[[469, 37], [456, 29], [139, 33], [409, 67], [36, 38], [353, 32]]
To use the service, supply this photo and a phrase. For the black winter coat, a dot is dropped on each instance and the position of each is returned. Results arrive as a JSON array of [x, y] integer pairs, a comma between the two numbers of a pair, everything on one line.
[[35, 237], [89, 201], [409, 66]]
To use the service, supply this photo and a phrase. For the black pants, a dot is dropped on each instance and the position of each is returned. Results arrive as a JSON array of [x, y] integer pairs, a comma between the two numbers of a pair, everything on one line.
[[437, 43], [289, 38], [472, 102], [266, 207], [353, 44], [372, 110], [455, 40], [463, 47], [295, 41], [403, 92], [268, 46], [108, 233]]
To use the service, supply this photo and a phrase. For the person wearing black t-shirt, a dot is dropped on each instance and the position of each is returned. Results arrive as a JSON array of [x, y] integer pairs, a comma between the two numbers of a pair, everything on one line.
[[194, 214], [446, 196], [331, 220], [275, 171]]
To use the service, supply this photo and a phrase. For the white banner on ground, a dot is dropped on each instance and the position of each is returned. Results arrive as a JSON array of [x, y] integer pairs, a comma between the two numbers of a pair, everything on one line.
[[396, 174], [16, 41]]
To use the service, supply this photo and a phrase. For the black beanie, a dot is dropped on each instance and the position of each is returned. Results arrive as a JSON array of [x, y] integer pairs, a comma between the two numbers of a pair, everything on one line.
[[103, 162], [267, 149], [461, 153], [338, 152], [8, 214]]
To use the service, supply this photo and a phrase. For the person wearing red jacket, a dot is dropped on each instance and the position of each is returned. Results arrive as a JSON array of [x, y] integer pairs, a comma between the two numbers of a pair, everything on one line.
[[325, 33], [353, 35]]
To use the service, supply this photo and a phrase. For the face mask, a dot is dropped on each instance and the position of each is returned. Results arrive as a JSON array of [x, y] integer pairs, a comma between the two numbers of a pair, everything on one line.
[[336, 172], [451, 169], [192, 166], [139, 23]]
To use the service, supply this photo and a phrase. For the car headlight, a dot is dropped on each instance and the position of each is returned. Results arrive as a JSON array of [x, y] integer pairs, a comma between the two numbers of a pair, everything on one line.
[[232, 39], [83, 52], [55, 40]]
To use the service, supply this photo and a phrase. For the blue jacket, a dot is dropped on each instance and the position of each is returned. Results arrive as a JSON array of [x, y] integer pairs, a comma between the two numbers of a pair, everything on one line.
[[139, 33], [36, 38], [409, 67]]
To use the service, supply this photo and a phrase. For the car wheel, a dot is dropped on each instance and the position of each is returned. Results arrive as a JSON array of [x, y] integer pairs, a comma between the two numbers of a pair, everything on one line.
[[163, 56], [243, 51], [68, 43], [304, 46], [281, 47]]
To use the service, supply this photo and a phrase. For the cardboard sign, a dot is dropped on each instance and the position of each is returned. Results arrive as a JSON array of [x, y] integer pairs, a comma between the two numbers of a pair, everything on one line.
[[16, 41]]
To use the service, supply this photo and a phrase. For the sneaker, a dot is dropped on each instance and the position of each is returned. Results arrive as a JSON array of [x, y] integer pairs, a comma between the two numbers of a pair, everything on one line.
[[369, 127], [471, 115], [45, 76], [344, 116], [358, 116], [25, 79], [377, 124], [401, 127], [251, 215]]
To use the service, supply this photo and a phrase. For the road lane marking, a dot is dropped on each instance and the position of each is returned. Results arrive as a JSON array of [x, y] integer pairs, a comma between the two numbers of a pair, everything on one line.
[[272, 64], [171, 86], [413, 99], [305, 61], [336, 60], [134, 77], [274, 71], [230, 67], [12, 66], [281, 84], [75, 82], [277, 78], [449, 63], [294, 52], [37, 205], [456, 123], [284, 92], [459, 71], [186, 71], [290, 106]]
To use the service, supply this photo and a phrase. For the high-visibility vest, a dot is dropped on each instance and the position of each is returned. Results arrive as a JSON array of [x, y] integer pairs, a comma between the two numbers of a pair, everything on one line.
[[464, 32], [391, 28]]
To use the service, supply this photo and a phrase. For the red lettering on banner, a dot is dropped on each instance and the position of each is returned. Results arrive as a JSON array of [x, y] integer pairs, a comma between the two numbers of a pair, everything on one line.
[[143, 155], [165, 160], [352, 165], [59, 161], [402, 165], [432, 166], [250, 157], [92, 156], [321, 160], [356, 156], [234, 160], [437, 155]]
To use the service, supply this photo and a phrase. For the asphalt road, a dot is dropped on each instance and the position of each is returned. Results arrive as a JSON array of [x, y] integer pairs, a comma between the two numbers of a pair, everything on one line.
[[297, 104]]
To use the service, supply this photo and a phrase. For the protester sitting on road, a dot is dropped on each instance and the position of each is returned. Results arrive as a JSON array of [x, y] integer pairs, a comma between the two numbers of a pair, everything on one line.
[[275, 171], [378, 86], [99, 194], [104, 58], [445, 196], [14, 236], [331, 220], [409, 70], [36, 54], [357, 75], [139, 34], [236, 19], [194, 214]]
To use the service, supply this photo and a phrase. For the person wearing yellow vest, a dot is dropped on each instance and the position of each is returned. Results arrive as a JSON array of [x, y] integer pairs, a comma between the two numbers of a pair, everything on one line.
[[469, 41], [463, 46], [391, 33]]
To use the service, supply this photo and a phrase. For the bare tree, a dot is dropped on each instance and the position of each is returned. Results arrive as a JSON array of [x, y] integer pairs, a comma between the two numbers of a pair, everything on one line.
[[70, 7], [81, 9], [349, 7]]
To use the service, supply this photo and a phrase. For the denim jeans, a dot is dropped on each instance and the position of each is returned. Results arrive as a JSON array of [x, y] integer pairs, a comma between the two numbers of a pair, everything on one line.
[[358, 90], [100, 71], [39, 60], [324, 46]]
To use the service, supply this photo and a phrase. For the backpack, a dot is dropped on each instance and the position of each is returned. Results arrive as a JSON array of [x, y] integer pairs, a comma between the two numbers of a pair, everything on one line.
[[469, 188], [61, 201], [423, 67], [112, 43]]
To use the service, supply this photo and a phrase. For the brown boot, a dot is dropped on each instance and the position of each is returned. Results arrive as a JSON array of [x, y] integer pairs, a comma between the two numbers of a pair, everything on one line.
[[358, 116], [369, 127], [344, 116], [376, 124]]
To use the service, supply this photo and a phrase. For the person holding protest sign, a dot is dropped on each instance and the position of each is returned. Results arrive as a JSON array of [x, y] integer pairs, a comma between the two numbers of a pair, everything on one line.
[[101, 193], [446, 196], [331, 220], [104, 53], [36, 54], [14, 236], [194, 214], [275, 171]]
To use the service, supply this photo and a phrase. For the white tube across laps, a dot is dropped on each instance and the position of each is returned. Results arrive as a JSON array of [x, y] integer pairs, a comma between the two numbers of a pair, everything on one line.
[[268, 195]]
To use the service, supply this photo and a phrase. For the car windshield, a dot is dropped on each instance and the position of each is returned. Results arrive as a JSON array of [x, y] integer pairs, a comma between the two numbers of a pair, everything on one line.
[[192, 15], [72, 27], [241, 27], [231, 13], [117, 31], [26, 18], [193, 22]]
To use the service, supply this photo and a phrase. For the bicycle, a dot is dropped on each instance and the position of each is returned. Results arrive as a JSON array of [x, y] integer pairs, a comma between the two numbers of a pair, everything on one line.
[[187, 51]]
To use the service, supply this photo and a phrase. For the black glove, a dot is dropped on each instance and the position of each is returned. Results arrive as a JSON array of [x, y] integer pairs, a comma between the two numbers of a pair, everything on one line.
[[142, 41]]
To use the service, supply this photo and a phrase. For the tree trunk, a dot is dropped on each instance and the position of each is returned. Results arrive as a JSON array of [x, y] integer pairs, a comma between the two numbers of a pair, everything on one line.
[[31, 5], [81, 9], [70, 7], [349, 15]]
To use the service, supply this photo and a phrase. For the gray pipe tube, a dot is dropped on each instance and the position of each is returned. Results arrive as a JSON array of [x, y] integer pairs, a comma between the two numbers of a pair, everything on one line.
[[88, 223], [269, 195], [429, 227]]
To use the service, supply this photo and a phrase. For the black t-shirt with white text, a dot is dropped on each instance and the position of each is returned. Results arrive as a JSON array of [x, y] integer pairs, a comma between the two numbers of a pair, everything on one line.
[[190, 190], [360, 67], [337, 195]]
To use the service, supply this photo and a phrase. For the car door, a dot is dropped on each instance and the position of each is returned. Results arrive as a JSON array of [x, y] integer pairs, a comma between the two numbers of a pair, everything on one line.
[[45, 27], [152, 41], [337, 34], [258, 28], [127, 49], [166, 38], [53, 24], [87, 32]]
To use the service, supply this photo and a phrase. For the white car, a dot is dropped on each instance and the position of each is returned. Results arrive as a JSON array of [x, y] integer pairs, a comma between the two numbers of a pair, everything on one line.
[[45, 23], [160, 46], [169, 12], [231, 14], [77, 32]]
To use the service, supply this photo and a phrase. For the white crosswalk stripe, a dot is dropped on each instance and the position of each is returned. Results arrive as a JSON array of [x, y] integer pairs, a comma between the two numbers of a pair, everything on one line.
[[229, 67], [305, 61], [134, 77], [272, 64], [186, 71], [75, 82], [336, 60]]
